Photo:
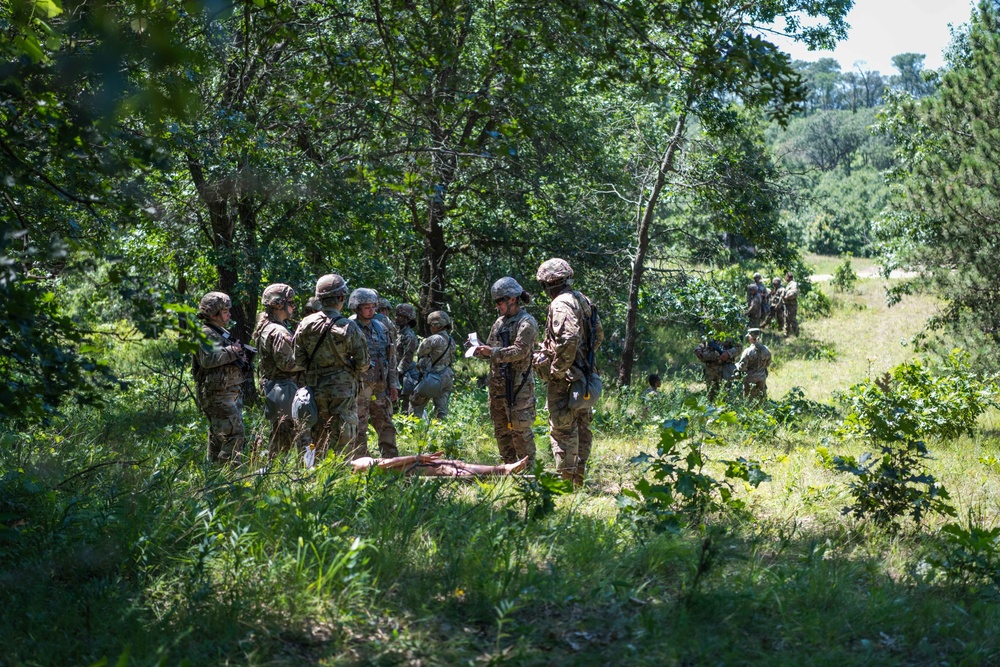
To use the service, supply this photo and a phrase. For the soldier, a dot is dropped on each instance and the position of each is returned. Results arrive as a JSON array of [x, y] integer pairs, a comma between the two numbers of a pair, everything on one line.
[[379, 384], [383, 313], [435, 354], [777, 312], [755, 309], [219, 371], [718, 356], [406, 347], [765, 303], [312, 306], [280, 376], [790, 300], [654, 381], [334, 354], [573, 333], [511, 381], [753, 364]]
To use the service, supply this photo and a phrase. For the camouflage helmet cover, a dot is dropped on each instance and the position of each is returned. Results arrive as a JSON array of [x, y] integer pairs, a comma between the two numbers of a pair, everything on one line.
[[507, 287], [213, 303], [383, 304], [329, 285], [554, 271], [277, 295], [361, 296], [757, 276], [313, 305], [439, 318], [406, 310], [775, 281]]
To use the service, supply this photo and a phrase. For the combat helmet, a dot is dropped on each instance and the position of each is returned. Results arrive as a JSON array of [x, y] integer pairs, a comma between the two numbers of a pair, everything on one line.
[[383, 304], [555, 272], [361, 296], [507, 287], [212, 304], [313, 305], [408, 311], [277, 295], [775, 281], [439, 319], [331, 285]]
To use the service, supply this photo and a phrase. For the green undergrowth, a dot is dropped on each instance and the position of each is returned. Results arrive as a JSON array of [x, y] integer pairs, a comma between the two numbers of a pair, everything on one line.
[[118, 543]]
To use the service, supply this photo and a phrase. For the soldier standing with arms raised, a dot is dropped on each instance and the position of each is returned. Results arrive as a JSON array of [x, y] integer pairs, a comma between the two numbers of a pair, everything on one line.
[[219, 368], [280, 376], [573, 333], [334, 354], [379, 385], [718, 357], [511, 381]]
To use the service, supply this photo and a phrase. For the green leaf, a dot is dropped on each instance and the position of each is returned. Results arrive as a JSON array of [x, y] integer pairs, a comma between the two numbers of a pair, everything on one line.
[[49, 8]]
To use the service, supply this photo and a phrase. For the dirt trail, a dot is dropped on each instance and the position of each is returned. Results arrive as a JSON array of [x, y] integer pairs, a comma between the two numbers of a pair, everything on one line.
[[865, 274]]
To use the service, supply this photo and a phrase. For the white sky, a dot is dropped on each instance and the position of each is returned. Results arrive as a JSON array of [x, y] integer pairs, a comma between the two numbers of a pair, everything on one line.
[[881, 29]]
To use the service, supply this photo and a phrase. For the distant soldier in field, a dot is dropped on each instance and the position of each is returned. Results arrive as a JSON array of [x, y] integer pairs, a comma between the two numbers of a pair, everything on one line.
[[765, 304], [379, 384], [755, 306], [654, 381], [790, 299], [718, 357], [511, 380], [573, 332], [334, 354], [753, 364], [406, 347], [776, 299], [219, 369], [280, 377], [435, 354]]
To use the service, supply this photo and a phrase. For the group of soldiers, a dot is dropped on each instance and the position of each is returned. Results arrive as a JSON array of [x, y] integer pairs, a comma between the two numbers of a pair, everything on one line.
[[358, 368], [724, 358], [779, 304]]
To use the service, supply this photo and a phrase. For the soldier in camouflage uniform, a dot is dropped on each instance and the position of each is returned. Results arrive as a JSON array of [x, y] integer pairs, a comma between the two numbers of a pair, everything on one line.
[[280, 377], [379, 384], [406, 347], [312, 306], [219, 371], [755, 307], [511, 381], [777, 312], [383, 313], [790, 299], [572, 332], [334, 354], [753, 364], [436, 353], [719, 360]]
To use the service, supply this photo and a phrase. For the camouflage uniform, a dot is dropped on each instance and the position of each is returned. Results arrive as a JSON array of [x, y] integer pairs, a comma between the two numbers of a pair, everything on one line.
[[753, 363], [406, 346], [512, 339], [219, 377], [383, 304], [719, 361], [333, 371], [436, 353], [755, 309], [562, 360], [278, 373], [373, 397], [790, 299], [777, 312]]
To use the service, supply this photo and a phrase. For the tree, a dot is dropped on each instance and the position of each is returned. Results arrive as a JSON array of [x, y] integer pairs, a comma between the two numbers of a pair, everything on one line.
[[911, 78], [944, 218]]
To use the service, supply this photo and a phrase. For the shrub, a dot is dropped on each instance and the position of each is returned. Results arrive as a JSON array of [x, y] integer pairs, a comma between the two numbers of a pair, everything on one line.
[[844, 278]]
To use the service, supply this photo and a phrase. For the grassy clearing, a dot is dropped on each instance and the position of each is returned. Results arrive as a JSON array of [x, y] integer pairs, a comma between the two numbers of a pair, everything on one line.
[[118, 541], [827, 264]]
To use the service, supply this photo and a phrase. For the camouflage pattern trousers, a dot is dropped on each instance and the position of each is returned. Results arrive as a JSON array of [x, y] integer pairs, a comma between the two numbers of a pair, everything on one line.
[[569, 433], [515, 439], [418, 402], [336, 398], [226, 434], [283, 431], [791, 318], [755, 390], [374, 406]]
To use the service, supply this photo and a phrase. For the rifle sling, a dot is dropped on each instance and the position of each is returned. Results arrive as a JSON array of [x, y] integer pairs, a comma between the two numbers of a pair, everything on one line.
[[322, 337]]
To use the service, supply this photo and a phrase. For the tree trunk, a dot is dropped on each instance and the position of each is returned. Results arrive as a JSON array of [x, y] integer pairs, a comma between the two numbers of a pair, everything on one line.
[[642, 247]]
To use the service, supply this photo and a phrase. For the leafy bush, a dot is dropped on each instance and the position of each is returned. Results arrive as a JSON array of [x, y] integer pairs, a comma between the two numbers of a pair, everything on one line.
[[681, 488], [844, 278], [815, 304], [970, 554]]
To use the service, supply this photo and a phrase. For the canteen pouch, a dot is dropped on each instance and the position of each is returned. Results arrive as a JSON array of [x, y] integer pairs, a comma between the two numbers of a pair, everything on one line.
[[304, 409], [584, 392]]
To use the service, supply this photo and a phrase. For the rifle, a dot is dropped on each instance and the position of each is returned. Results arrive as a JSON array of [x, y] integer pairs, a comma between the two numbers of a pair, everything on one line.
[[507, 373], [247, 352]]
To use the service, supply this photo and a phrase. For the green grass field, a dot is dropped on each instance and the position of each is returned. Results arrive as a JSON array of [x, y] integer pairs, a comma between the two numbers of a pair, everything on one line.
[[119, 546]]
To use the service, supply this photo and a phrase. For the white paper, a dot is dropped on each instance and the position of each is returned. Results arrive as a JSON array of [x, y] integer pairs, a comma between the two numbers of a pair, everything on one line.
[[473, 343]]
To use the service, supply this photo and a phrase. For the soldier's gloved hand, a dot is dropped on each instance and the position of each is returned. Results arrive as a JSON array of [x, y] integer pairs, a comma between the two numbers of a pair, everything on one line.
[[236, 350]]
